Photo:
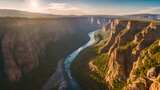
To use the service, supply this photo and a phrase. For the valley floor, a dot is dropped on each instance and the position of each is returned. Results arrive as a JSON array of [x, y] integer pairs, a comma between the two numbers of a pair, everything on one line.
[[81, 72]]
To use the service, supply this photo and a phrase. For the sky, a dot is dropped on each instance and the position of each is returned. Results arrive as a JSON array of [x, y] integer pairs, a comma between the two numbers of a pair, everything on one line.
[[84, 7]]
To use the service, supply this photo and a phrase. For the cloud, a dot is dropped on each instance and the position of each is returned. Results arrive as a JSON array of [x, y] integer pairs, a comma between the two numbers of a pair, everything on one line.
[[65, 9], [62, 6], [154, 10], [126, 11]]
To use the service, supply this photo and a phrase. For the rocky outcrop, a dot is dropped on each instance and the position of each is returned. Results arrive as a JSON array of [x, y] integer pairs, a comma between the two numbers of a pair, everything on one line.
[[118, 65], [153, 73], [126, 49], [115, 28], [155, 86], [139, 84]]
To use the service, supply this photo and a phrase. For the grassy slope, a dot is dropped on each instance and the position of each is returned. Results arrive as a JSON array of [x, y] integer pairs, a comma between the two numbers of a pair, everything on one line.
[[80, 70]]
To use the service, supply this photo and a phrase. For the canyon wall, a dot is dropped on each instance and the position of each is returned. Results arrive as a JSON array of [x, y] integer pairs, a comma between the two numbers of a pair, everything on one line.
[[132, 52], [31, 48]]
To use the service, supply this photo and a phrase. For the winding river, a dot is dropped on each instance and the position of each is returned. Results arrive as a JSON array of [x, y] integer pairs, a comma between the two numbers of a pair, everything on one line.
[[62, 77], [72, 84]]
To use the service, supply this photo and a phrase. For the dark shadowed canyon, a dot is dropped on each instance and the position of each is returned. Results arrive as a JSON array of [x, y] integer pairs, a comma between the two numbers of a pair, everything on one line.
[[31, 48]]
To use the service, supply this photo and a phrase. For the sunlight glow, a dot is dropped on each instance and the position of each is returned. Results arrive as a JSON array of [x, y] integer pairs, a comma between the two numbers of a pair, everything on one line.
[[34, 5], [84, 7]]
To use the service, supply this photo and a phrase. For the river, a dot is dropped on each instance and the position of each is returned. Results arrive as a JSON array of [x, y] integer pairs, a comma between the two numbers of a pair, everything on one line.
[[72, 84], [62, 78]]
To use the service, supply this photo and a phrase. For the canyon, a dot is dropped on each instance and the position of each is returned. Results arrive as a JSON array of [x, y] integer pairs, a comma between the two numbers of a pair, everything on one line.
[[31, 48], [126, 58]]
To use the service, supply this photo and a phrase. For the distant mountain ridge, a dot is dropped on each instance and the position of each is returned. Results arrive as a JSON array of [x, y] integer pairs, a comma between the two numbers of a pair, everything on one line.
[[18, 13], [143, 16], [26, 14]]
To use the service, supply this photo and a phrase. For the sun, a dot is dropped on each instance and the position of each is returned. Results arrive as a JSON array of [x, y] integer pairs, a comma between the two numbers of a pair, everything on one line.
[[34, 5]]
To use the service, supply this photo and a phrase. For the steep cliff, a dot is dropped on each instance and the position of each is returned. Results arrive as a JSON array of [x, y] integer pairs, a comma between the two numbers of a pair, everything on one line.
[[21, 50], [131, 50], [31, 48]]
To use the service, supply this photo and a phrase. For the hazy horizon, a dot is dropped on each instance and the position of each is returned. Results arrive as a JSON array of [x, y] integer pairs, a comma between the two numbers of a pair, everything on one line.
[[84, 7]]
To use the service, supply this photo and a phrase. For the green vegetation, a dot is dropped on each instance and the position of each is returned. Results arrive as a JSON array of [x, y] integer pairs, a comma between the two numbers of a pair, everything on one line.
[[81, 71], [129, 44], [150, 57], [101, 63], [118, 84], [101, 37]]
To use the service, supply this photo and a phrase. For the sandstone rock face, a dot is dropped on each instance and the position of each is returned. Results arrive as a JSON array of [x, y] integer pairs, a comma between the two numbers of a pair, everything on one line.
[[155, 86], [131, 49], [118, 64], [115, 27], [139, 84], [153, 73]]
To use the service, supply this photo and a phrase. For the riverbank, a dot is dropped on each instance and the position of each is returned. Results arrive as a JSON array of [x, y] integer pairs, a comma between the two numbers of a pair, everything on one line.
[[81, 72], [72, 83], [80, 67], [57, 80]]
